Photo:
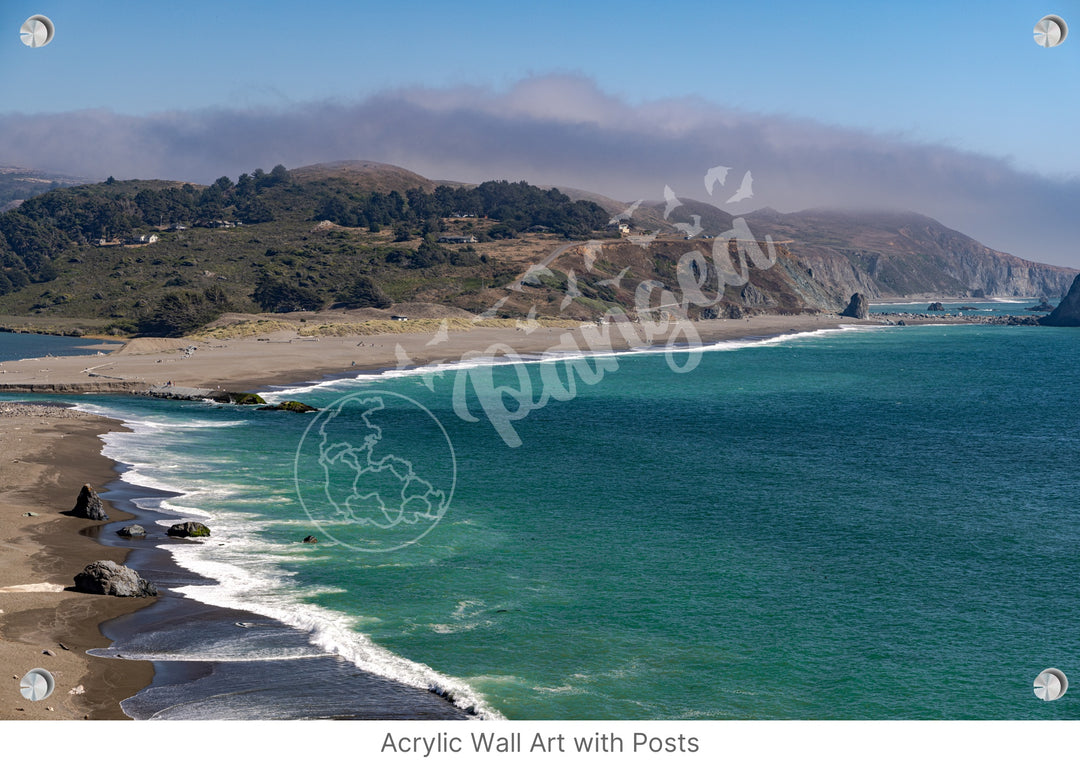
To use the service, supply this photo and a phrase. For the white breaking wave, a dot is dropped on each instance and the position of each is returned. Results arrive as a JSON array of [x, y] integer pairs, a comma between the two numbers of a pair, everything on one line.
[[333, 632], [549, 357], [246, 581]]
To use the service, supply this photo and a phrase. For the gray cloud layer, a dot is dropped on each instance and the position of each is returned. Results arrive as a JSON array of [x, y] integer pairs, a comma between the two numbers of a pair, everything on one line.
[[564, 131]]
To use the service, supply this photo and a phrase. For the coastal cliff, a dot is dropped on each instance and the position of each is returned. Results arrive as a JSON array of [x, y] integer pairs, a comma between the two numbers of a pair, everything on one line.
[[904, 255]]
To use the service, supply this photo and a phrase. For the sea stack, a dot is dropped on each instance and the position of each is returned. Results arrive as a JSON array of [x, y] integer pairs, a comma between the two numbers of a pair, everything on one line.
[[858, 307], [1067, 313], [89, 505]]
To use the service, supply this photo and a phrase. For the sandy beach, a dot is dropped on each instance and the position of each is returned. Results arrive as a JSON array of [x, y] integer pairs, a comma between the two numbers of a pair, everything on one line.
[[46, 454], [283, 357]]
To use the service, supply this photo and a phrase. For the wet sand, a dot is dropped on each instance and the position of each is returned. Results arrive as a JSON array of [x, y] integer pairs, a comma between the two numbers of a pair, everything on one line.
[[46, 455]]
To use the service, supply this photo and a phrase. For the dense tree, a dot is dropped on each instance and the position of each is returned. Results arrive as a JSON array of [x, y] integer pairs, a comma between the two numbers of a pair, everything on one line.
[[176, 314], [364, 293], [274, 294]]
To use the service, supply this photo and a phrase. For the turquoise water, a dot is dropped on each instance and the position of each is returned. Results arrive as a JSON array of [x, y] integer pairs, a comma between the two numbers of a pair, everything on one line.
[[870, 524]]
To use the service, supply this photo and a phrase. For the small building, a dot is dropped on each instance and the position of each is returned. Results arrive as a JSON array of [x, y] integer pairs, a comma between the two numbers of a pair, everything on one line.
[[458, 239], [398, 317]]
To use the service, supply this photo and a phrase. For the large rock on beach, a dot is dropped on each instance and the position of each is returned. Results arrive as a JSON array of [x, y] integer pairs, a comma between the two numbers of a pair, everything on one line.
[[105, 577], [1067, 313], [189, 530], [858, 307], [132, 531], [89, 505]]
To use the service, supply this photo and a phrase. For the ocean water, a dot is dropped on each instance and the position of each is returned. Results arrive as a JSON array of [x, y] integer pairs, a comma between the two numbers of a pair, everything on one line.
[[858, 524]]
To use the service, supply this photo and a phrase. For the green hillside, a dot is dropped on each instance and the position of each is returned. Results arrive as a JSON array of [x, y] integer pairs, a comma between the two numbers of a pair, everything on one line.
[[163, 257]]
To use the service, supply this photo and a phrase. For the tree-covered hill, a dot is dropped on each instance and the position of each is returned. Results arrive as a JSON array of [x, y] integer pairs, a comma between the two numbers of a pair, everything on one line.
[[164, 257]]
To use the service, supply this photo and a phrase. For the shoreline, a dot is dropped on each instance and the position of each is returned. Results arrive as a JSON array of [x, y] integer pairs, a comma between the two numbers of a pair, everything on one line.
[[194, 369], [46, 454], [100, 648], [206, 650], [282, 360]]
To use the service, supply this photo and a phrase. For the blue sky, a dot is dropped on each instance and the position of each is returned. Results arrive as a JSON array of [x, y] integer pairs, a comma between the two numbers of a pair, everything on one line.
[[126, 84]]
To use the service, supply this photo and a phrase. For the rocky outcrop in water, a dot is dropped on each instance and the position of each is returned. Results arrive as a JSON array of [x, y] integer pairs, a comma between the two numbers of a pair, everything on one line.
[[132, 531], [936, 306], [858, 307], [189, 530], [105, 577], [88, 505], [288, 406], [1067, 313]]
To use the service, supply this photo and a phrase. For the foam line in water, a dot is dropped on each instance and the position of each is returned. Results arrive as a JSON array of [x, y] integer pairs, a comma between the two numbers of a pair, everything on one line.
[[245, 581], [547, 357]]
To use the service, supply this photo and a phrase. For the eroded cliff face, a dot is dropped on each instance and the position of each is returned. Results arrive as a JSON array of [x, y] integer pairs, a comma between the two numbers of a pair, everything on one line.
[[905, 254], [702, 278], [813, 261]]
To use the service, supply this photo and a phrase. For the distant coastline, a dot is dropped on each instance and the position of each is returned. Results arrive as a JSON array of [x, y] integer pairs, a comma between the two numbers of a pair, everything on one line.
[[280, 358]]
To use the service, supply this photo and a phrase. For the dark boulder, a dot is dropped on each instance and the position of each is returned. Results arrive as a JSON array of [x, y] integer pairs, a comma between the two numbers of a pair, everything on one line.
[[89, 505], [189, 530], [1067, 313], [858, 307], [105, 577], [937, 306], [311, 540], [132, 531]]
